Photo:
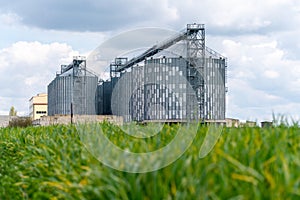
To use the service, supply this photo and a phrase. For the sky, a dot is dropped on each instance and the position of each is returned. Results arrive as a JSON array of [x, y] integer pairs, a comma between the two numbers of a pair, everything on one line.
[[259, 38]]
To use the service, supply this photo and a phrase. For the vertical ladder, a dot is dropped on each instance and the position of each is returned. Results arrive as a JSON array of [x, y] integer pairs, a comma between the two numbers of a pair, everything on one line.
[[196, 72]]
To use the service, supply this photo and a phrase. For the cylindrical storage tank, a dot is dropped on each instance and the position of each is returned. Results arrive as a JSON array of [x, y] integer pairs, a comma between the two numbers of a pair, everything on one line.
[[79, 90], [215, 86]]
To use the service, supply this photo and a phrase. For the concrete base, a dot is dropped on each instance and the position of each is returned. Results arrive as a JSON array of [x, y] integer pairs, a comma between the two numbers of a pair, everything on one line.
[[66, 119]]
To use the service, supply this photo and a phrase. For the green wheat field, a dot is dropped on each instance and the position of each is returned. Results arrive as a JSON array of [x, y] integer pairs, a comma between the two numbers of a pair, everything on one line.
[[246, 163]]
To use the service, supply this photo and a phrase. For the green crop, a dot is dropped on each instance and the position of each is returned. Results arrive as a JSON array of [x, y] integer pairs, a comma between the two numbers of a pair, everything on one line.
[[246, 163]]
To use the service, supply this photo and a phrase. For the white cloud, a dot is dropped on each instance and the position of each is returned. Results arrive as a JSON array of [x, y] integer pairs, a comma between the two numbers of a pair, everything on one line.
[[27, 68], [236, 17], [261, 78], [271, 74], [10, 19], [223, 16]]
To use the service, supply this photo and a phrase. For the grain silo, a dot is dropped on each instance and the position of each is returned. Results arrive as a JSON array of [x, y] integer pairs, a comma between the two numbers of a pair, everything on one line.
[[161, 86], [73, 90]]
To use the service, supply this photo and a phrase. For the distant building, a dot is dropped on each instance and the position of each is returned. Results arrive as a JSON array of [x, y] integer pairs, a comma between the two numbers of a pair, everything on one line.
[[38, 106], [230, 122], [4, 120], [251, 123], [266, 124], [215, 122], [248, 124]]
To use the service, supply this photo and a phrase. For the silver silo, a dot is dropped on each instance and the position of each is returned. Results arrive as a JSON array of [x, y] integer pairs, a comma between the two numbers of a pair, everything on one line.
[[73, 88]]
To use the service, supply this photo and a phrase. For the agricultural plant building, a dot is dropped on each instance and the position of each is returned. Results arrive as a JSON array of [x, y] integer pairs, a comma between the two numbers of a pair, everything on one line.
[[156, 85]]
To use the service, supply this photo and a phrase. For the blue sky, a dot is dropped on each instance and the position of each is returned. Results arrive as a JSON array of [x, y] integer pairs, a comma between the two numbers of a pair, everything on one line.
[[260, 38]]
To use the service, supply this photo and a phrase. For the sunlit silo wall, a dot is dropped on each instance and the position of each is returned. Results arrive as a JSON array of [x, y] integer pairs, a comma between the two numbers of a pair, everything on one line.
[[155, 91], [81, 90], [215, 88], [161, 90], [165, 89]]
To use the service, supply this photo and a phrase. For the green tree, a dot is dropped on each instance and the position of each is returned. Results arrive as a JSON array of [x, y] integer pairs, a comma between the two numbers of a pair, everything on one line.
[[12, 111]]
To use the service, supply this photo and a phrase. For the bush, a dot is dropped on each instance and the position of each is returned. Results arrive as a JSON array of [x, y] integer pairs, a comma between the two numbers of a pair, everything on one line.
[[20, 122]]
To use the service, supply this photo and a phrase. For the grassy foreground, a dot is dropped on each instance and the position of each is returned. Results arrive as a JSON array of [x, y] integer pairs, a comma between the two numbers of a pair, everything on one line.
[[246, 163]]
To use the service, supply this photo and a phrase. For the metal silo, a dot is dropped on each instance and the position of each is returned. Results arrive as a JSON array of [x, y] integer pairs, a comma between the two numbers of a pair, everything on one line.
[[74, 87], [158, 86]]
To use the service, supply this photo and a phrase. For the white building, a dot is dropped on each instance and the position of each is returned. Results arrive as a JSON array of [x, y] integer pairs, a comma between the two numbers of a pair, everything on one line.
[[38, 106], [4, 120]]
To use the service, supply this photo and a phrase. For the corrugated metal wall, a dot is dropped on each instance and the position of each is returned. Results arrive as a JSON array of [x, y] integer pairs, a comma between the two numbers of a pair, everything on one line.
[[84, 95], [215, 90], [165, 89], [160, 90]]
